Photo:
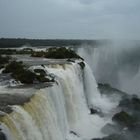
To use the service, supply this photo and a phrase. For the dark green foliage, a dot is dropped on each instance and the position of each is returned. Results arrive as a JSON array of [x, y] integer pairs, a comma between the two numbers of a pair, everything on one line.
[[37, 54], [57, 53], [24, 76], [40, 75], [123, 118], [61, 53], [25, 51], [4, 60], [130, 103], [21, 73], [8, 51], [108, 90], [82, 65], [14, 67], [13, 42]]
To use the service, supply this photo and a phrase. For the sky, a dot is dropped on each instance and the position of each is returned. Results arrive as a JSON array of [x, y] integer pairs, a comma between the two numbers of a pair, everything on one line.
[[70, 19]]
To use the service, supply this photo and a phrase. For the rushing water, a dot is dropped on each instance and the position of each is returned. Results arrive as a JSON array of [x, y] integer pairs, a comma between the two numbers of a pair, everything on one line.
[[61, 111], [116, 63]]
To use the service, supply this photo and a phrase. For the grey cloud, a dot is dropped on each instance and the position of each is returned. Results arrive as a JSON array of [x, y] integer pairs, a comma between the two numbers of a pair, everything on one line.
[[70, 18]]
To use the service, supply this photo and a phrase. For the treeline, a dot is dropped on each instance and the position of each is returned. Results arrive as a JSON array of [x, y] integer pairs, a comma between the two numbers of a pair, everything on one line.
[[17, 42]]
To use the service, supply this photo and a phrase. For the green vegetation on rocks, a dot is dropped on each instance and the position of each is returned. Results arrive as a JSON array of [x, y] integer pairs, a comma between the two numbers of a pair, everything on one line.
[[130, 103], [21, 73], [123, 118], [57, 53], [4, 60]]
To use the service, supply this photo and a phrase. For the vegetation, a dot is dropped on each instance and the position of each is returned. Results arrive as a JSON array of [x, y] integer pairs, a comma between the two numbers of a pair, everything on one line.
[[57, 53], [130, 103], [4, 60], [8, 51], [108, 90], [17, 42], [21, 73], [123, 118]]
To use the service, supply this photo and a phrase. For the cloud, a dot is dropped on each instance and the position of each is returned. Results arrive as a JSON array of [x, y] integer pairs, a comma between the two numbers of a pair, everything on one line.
[[70, 18]]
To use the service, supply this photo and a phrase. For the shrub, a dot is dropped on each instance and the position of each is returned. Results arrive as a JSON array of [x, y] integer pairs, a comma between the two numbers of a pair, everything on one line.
[[57, 53], [14, 67], [130, 103], [21, 73], [4, 60], [123, 118]]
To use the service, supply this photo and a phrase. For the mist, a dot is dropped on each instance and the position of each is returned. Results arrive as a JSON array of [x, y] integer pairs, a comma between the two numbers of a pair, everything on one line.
[[116, 63]]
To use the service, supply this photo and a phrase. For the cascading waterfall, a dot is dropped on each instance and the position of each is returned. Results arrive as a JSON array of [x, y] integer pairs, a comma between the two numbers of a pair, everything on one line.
[[116, 63], [61, 111], [94, 98]]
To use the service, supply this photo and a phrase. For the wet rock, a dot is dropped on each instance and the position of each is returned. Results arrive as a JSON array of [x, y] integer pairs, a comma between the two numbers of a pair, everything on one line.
[[123, 119], [93, 111], [82, 65], [110, 129], [132, 103], [74, 133], [2, 136], [106, 89]]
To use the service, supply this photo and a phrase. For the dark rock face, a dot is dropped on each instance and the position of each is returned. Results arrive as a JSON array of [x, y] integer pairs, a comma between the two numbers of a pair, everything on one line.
[[110, 129], [74, 133], [132, 103], [106, 89], [126, 124], [82, 65], [2, 136], [93, 111], [123, 118]]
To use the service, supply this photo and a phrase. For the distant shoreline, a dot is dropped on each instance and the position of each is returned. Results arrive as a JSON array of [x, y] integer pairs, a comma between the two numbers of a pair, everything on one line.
[[18, 42]]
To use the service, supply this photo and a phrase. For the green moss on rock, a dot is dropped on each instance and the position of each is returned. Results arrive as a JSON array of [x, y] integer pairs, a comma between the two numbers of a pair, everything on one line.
[[21, 73], [57, 53], [123, 118]]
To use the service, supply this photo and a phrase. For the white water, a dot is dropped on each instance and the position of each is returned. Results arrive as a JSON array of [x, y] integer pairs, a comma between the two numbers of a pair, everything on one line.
[[58, 111], [116, 63]]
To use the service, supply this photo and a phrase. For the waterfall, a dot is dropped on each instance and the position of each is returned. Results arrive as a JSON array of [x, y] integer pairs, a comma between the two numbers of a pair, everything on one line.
[[116, 63], [61, 111]]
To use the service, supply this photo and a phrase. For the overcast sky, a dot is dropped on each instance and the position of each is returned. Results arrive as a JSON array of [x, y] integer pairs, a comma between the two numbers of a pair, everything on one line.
[[70, 19]]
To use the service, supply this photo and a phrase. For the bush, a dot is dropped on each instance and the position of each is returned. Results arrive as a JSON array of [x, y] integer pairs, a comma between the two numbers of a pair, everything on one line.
[[24, 76], [37, 54], [130, 103], [14, 67], [57, 53], [21, 73], [8, 51], [123, 118], [4, 60]]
